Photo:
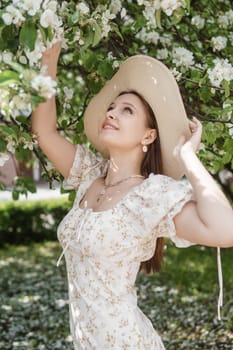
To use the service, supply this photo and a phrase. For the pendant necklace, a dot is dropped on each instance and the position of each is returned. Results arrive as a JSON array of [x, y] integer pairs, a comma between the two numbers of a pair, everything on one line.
[[104, 189]]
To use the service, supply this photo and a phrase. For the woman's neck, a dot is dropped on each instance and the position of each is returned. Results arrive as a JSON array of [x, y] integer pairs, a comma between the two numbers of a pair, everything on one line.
[[121, 168]]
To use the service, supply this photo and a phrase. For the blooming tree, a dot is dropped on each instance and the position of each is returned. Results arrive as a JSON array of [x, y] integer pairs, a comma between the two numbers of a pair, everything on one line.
[[194, 40]]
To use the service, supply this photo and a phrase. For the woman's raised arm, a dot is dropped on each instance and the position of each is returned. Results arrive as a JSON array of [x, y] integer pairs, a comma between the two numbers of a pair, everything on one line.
[[58, 150], [209, 219]]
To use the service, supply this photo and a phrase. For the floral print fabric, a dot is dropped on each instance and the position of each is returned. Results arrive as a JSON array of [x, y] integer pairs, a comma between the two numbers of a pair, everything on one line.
[[103, 252]]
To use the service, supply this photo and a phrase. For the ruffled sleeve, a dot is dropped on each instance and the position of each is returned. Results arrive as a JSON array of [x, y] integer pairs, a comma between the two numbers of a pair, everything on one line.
[[174, 194], [158, 199], [87, 166]]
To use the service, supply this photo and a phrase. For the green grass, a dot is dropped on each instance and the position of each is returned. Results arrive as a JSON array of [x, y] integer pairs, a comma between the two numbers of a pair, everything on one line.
[[180, 301]]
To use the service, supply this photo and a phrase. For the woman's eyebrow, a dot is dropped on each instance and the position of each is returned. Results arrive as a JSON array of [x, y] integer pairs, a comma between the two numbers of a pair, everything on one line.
[[129, 104], [111, 104]]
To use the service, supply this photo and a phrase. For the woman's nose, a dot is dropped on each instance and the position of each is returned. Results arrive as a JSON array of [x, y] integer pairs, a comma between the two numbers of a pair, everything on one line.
[[111, 114]]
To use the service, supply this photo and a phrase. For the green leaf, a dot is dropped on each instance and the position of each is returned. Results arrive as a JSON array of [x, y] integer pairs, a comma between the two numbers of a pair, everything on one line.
[[158, 18], [43, 32], [50, 33], [28, 35], [15, 194], [75, 17], [187, 5], [116, 29], [226, 87], [88, 59], [8, 77], [16, 66], [105, 69], [71, 196], [97, 34], [8, 39], [226, 158], [7, 130], [178, 15]]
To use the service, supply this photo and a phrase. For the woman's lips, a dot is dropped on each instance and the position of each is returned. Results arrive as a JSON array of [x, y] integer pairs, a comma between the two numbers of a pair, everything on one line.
[[109, 126]]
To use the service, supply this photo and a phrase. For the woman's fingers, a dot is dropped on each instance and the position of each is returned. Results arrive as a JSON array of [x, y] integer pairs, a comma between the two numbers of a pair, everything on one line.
[[193, 142]]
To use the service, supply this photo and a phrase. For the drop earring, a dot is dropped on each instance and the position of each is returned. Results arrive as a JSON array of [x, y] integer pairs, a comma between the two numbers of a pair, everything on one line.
[[144, 148]]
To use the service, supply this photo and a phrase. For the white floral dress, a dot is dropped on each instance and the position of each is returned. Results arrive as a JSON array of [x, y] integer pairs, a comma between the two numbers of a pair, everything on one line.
[[103, 252]]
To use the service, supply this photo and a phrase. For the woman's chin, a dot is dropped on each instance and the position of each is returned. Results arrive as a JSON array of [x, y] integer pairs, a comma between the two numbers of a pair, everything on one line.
[[107, 138]]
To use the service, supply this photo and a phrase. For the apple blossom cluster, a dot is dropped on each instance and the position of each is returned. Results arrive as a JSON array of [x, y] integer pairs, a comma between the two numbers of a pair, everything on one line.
[[198, 22], [182, 57], [166, 6], [16, 98], [100, 20], [43, 11], [219, 43], [225, 20], [221, 71]]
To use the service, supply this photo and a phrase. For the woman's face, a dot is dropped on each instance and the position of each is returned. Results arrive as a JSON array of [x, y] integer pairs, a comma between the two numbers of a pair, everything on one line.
[[125, 123]]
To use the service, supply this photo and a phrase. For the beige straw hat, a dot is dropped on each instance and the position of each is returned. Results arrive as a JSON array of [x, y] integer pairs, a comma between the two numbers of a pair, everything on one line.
[[156, 84]]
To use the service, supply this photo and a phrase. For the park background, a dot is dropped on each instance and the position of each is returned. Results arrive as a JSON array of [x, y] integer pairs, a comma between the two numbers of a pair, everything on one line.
[[195, 40]]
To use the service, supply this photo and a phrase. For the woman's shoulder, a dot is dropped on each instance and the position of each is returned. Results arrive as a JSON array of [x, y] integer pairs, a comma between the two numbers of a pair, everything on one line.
[[87, 165], [157, 194], [163, 184]]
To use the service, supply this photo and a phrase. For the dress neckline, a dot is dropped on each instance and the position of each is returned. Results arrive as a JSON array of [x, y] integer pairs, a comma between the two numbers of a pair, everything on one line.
[[133, 190]]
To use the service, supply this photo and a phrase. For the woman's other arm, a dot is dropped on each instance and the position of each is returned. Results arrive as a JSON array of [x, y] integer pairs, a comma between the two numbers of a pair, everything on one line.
[[209, 219], [58, 150]]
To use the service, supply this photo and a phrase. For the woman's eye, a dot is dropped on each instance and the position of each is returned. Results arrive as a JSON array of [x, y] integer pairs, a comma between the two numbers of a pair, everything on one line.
[[128, 110], [109, 108]]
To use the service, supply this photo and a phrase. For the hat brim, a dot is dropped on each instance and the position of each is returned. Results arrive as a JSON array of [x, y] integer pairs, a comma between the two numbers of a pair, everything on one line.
[[155, 83]]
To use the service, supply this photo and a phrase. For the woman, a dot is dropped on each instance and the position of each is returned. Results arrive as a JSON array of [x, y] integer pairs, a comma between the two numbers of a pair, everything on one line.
[[129, 196]]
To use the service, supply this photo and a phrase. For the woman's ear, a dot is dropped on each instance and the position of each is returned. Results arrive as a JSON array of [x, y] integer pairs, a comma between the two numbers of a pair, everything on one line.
[[149, 137]]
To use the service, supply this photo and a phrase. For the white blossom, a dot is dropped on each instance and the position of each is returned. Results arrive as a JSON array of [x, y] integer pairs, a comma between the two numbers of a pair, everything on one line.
[[222, 70], [44, 85], [30, 6], [166, 39], [176, 74], [69, 92], [4, 157], [230, 16], [35, 55], [20, 105], [169, 6], [198, 21], [123, 13], [49, 18], [115, 6], [22, 59], [162, 54], [4, 100], [151, 37], [219, 43], [11, 144], [223, 21], [26, 144], [83, 8], [226, 19], [182, 57], [77, 38], [230, 37], [52, 5], [7, 56], [107, 16], [12, 15]]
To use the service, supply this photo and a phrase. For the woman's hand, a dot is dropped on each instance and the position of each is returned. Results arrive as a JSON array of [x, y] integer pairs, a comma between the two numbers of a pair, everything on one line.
[[184, 146], [50, 59], [52, 54]]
